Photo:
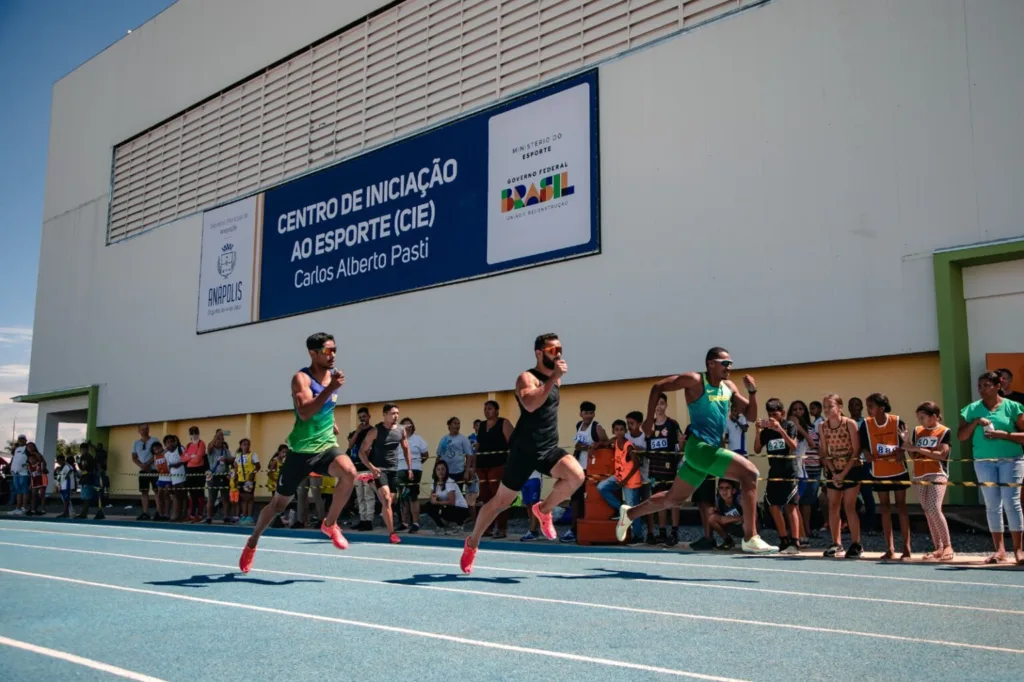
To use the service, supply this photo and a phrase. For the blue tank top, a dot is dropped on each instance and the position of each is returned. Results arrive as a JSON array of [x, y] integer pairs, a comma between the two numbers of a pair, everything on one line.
[[709, 412]]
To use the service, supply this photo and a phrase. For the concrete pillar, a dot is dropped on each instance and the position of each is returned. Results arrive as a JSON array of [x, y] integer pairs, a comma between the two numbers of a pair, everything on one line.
[[46, 440]]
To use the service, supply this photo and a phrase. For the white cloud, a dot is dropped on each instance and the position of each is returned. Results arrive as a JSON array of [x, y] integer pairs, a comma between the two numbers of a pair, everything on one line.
[[15, 335]]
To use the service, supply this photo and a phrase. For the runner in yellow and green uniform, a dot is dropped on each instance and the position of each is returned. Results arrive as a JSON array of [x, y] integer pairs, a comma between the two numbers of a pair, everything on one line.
[[709, 396]]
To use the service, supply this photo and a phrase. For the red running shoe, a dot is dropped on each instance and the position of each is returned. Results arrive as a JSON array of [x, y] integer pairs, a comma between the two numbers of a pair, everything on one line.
[[468, 557], [334, 533], [547, 525], [395, 540], [248, 554]]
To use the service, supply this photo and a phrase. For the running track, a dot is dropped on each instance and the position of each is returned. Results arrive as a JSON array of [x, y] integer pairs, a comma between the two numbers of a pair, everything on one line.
[[109, 602]]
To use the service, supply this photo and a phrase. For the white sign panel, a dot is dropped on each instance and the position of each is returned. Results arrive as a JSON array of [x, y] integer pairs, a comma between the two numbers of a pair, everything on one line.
[[539, 163], [227, 269]]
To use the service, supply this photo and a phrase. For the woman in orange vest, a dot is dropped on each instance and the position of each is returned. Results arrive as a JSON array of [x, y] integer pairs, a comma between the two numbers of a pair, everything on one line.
[[881, 436], [929, 448]]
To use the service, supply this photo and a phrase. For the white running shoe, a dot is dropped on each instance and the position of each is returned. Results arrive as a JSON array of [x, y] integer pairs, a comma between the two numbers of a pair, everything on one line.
[[756, 545], [790, 550], [622, 527]]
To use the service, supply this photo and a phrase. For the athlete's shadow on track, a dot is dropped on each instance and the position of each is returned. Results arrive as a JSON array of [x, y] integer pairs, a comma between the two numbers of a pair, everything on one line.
[[434, 578], [199, 581], [609, 574]]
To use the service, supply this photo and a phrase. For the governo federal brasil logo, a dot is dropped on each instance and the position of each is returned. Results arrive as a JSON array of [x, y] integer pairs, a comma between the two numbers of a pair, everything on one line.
[[551, 187]]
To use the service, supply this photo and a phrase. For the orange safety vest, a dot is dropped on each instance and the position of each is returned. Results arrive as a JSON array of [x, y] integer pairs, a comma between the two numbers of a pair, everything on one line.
[[929, 439], [623, 467], [884, 441]]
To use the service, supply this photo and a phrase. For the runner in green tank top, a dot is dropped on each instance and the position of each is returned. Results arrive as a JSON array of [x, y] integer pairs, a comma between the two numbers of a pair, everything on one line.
[[708, 399], [313, 445]]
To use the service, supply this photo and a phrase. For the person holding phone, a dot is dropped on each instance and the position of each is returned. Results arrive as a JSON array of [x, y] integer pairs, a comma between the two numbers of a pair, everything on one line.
[[778, 436]]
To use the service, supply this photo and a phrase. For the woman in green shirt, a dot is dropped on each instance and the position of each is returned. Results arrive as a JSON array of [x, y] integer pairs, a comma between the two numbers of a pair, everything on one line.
[[995, 427]]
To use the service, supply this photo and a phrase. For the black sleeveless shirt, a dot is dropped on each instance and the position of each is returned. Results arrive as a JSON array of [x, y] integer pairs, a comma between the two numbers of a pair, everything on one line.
[[537, 432], [387, 447], [492, 445]]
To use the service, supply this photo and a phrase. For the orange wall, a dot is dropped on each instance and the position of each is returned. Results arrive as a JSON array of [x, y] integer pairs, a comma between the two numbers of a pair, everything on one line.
[[907, 380]]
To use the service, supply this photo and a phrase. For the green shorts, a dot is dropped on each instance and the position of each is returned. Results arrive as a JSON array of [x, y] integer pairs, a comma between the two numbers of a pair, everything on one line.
[[701, 460]]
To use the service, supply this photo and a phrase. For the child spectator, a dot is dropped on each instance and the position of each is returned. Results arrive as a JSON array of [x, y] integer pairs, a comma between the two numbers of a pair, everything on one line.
[[626, 479], [839, 444], [163, 482], [736, 430], [881, 438], [726, 512], [664, 442], [447, 504], [196, 466], [778, 436], [588, 434], [37, 482], [246, 465], [636, 436], [174, 454], [89, 477], [929, 448], [66, 484], [409, 499], [809, 464]]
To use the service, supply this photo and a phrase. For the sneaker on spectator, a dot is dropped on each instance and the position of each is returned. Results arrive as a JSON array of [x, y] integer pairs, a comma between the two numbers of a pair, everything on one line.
[[790, 549], [673, 539], [638, 540], [652, 539], [414, 528], [727, 544], [99, 515], [756, 545], [142, 517], [401, 527], [833, 550], [529, 537], [568, 536], [855, 551], [703, 545]]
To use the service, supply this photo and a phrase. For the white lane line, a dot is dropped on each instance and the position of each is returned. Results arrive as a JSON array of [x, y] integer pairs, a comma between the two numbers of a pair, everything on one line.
[[590, 557], [71, 658], [654, 581], [377, 626], [545, 600]]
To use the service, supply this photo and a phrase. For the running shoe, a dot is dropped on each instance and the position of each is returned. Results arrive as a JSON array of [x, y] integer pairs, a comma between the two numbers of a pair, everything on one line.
[[855, 551], [400, 527], [529, 537], [248, 554], [393, 539], [622, 527], [334, 533], [756, 545], [673, 539], [468, 558], [703, 545], [547, 525], [727, 544], [790, 549], [568, 536], [414, 528], [833, 550]]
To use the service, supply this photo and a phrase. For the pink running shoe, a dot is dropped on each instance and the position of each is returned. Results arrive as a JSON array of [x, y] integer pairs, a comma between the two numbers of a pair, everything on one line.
[[468, 558], [394, 539], [547, 525], [248, 554], [334, 533]]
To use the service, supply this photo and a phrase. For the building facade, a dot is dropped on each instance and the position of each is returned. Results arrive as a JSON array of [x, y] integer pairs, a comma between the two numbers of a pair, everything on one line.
[[828, 188]]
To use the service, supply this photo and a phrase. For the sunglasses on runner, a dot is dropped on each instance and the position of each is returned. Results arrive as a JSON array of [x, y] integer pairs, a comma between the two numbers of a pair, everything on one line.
[[329, 351], [553, 350], [725, 363]]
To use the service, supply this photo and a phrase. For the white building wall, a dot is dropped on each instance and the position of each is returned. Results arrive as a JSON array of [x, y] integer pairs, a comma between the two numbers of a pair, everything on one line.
[[774, 183], [995, 312]]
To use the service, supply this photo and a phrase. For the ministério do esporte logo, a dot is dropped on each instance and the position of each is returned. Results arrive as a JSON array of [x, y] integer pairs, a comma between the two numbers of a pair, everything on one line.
[[550, 187], [226, 261]]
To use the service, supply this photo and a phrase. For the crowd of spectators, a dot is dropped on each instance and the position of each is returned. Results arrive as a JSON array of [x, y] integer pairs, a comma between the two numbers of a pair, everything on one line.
[[826, 465]]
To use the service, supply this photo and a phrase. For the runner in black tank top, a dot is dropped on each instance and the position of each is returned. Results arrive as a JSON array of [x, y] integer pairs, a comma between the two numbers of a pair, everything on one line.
[[492, 453], [534, 447]]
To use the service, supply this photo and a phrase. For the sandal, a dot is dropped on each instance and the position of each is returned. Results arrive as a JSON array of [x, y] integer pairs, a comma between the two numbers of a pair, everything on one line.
[[888, 556]]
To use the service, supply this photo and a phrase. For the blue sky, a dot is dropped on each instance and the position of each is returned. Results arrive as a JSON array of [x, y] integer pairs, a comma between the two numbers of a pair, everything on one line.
[[40, 41]]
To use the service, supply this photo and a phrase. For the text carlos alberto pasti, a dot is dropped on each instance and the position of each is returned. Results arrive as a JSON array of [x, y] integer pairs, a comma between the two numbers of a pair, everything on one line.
[[391, 224]]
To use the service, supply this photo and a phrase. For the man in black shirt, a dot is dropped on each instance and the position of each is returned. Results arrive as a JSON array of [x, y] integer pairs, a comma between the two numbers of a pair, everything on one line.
[[365, 490], [1005, 386], [534, 447]]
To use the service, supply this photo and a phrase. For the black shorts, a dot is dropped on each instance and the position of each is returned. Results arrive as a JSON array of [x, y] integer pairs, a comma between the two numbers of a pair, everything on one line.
[[522, 463], [388, 479], [707, 491], [899, 482], [781, 493], [298, 465], [147, 480], [856, 475]]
